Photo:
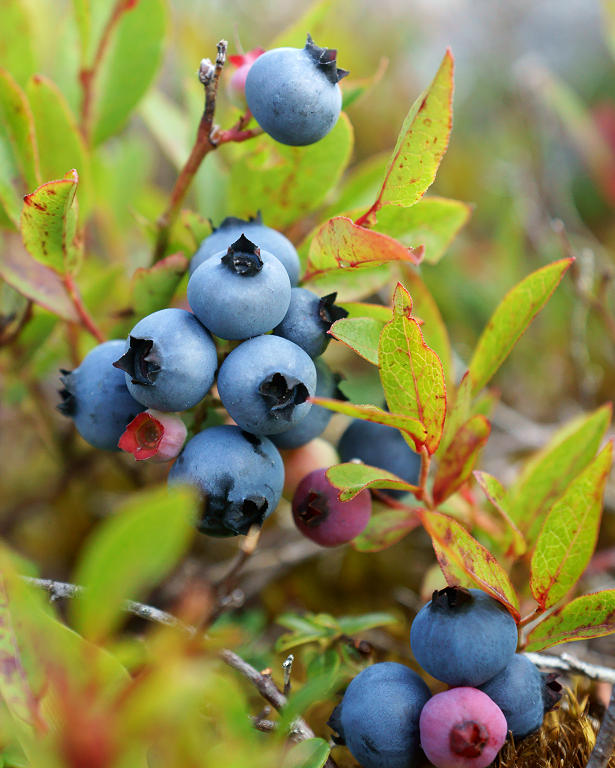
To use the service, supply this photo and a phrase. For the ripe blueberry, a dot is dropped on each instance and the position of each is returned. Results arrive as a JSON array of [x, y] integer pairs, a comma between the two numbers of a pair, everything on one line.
[[96, 398], [253, 228], [264, 384], [378, 718], [240, 292], [322, 517], [380, 446], [316, 421], [239, 475], [463, 636], [462, 728], [293, 93], [308, 320], [170, 360], [524, 694]]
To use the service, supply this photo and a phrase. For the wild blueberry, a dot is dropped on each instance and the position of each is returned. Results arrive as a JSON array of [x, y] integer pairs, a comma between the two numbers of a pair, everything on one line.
[[463, 636], [299, 462], [239, 475], [95, 396], [380, 446], [241, 292], [266, 238], [322, 517], [316, 421], [378, 718], [293, 93], [308, 319], [264, 384], [462, 728], [170, 360], [524, 694]]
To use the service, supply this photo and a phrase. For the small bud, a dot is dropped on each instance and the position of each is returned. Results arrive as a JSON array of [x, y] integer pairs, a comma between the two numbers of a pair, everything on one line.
[[154, 435]]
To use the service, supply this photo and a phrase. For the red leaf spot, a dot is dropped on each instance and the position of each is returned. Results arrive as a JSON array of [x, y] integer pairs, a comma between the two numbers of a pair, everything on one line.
[[423, 104]]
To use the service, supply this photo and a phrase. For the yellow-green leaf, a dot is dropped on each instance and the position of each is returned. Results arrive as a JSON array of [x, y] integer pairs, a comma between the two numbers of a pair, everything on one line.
[[568, 537], [16, 40], [385, 528], [512, 540], [353, 478], [411, 373], [511, 318], [361, 334], [587, 616], [49, 224], [456, 549]]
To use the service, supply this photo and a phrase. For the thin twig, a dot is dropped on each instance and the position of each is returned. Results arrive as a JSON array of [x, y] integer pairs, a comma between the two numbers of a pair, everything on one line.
[[605, 741], [84, 315], [568, 663]]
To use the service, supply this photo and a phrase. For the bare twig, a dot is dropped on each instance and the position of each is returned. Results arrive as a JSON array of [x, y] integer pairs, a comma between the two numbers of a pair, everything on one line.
[[568, 663], [605, 741], [287, 667]]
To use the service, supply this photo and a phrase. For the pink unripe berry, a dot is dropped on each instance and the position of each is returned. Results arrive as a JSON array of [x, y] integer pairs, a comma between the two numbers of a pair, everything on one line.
[[154, 435], [322, 517], [237, 83], [299, 462], [462, 728]]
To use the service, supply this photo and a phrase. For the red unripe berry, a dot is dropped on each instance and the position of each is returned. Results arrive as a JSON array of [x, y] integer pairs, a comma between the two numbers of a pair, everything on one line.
[[322, 517], [237, 83]]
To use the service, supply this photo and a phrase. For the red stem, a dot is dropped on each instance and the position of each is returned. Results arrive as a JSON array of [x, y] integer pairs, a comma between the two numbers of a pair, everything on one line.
[[84, 315]]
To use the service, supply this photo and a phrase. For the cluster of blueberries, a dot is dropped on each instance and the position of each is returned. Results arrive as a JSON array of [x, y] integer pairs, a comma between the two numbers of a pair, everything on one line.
[[466, 639]]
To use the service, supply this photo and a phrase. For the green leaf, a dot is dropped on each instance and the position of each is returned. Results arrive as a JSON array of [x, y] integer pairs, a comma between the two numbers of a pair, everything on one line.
[[153, 287], [60, 144], [354, 284], [325, 664], [304, 629], [16, 40], [353, 478], [410, 426], [432, 222], [586, 617], [83, 18], [359, 187], [355, 88], [510, 320], [546, 475], [311, 753], [34, 281], [288, 182], [294, 36], [433, 328], [457, 550], [422, 141], [385, 528], [362, 334], [49, 224], [129, 554], [411, 373], [458, 461], [512, 540], [169, 126], [459, 413], [339, 244], [373, 311], [568, 537], [352, 625], [128, 67]]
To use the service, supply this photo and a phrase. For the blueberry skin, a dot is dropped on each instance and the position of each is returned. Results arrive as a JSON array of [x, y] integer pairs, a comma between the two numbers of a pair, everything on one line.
[[463, 637], [96, 398], [315, 423], [236, 306], [308, 320], [293, 94], [170, 360], [523, 694], [265, 237], [240, 476], [379, 716], [264, 384], [380, 446]]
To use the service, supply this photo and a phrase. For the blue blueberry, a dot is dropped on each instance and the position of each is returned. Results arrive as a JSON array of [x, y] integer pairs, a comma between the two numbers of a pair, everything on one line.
[[315, 423], [170, 360], [96, 398], [378, 718], [239, 475], [308, 319], [380, 446], [524, 694], [264, 384], [241, 292], [266, 238], [463, 637], [293, 93]]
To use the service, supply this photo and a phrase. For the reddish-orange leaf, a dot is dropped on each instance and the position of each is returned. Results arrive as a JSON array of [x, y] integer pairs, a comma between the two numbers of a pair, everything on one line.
[[460, 457]]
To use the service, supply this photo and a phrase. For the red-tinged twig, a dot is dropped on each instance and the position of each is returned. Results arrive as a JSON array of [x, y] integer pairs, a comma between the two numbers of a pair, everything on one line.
[[423, 493], [88, 75], [531, 617], [84, 315], [208, 138]]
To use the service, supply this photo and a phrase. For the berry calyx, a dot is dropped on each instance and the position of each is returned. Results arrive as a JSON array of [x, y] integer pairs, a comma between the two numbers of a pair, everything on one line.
[[154, 435], [326, 60], [138, 362], [243, 258]]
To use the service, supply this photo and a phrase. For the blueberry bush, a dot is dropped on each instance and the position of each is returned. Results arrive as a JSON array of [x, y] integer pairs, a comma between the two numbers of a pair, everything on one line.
[[257, 406]]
